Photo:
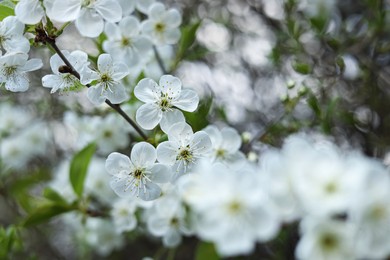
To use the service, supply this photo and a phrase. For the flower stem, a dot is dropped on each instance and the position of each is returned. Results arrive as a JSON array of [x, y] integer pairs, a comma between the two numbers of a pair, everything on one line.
[[159, 60]]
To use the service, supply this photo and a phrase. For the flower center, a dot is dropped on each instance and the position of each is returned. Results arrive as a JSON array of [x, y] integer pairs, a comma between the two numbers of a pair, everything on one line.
[[165, 102], [106, 81], [107, 134], [87, 3], [159, 27], [329, 242], [185, 154], [330, 188], [125, 42], [9, 71], [138, 173], [220, 153], [174, 222], [234, 207]]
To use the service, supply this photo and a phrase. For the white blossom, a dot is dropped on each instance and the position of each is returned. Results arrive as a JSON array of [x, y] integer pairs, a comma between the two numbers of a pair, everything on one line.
[[108, 77], [137, 177], [13, 69], [161, 100], [162, 25]]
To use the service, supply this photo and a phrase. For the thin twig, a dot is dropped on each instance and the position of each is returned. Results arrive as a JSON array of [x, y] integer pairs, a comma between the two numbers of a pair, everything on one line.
[[159, 60]]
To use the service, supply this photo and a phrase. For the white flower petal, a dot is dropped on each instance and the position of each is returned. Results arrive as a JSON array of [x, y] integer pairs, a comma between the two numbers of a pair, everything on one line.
[[156, 10], [160, 173], [180, 132], [118, 164], [52, 81], [167, 152], [64, 11], [170, 85], [32, 65], [120, 70], [142, 44], [143, 155], [29, 12], [215, 135], [157, 226], [231, 139], [117, 95], [94, 95], [130, 26], [148, 116], [151, 191], [201, 143], [170, 118], [104, 63], [172, 36], [112, 31], [188, 100], [17, 84], [146, 90], [89, 23], [173, 18], [109, 10]]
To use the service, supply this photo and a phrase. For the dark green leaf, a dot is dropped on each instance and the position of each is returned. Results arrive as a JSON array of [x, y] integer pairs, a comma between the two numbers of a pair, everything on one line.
[[79, 167], [198, 119], [313, 104], [329, 115], [302, 68], [188, 35], [206, 251], [5, 11], [46, 212]]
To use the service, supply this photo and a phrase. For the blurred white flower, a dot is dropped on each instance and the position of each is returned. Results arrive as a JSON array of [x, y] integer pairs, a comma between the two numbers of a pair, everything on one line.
[[225, 144], [13, 69], [167, 219], [124, 41], [123, 214], [183, 148], [162, 25], [101, 235], [325, 239], [235, 215], [370, 210]]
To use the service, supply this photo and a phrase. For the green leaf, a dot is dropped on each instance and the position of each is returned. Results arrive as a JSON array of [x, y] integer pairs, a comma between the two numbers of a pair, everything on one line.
[[188, 34], [198, 119], [313, 104], [301, 67], [46, 212], [206, 251], [5, 11], [329, 115], [79, 167], [53, 195]]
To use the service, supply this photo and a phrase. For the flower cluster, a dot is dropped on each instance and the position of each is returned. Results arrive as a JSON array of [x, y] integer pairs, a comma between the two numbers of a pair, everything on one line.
[[175, 174]]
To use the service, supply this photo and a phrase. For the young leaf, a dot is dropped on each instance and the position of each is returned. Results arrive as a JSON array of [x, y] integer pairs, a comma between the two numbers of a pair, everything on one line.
[[188, 37], [5, 11], [46, 212], [53, 195], [79, 167]]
